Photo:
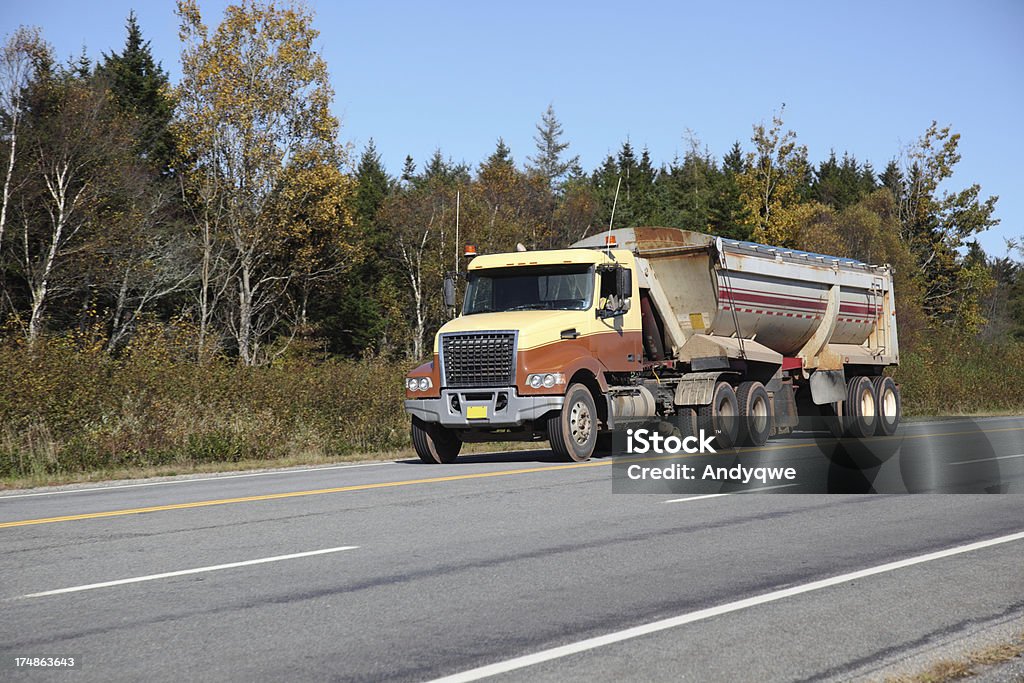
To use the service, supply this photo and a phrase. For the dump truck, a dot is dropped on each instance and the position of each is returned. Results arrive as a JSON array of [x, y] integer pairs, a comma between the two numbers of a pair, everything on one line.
[[720, 335]]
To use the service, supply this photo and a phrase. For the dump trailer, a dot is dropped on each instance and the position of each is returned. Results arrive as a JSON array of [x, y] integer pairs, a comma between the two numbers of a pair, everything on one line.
[[715, 334]]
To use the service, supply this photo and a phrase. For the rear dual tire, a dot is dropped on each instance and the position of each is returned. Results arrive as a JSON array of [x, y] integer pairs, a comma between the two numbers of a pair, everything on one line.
[[721, 417], [890, 407], [755, 420]]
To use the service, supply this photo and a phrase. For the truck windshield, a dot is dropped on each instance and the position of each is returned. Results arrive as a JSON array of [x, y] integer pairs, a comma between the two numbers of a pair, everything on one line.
[[562, 288]]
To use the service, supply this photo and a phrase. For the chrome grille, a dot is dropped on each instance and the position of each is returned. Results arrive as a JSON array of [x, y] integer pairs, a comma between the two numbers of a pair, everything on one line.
[[479, 359]]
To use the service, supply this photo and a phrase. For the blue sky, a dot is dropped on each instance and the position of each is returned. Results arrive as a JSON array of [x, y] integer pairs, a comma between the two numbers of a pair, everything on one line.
[[866, 76]]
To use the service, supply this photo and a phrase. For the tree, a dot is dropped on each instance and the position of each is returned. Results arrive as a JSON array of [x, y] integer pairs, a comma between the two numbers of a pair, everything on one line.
[[253, 117], [936, 225], [772, 184], [76, 150], [18, 58], [353, 315], [142, 91], [549, 161]]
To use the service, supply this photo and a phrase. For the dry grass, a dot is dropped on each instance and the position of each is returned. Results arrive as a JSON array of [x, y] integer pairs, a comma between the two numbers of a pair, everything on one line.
[[42, 478], [968, 665]]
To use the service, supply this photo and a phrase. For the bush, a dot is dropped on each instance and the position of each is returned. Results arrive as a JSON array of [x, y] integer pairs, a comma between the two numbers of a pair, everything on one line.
[[947, 375], [65, 409]]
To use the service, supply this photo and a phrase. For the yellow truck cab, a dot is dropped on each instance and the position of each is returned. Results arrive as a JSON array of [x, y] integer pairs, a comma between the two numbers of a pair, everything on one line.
[[538, 333]]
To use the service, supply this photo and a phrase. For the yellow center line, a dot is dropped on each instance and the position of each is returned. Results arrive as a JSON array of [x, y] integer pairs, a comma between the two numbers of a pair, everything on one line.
[[411, 482]]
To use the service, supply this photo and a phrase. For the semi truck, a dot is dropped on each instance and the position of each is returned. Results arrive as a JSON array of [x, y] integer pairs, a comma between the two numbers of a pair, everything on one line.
[[720, 335]]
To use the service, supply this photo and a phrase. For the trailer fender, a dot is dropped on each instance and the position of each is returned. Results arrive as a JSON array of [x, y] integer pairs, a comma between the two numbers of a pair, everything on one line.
[[697, 388]]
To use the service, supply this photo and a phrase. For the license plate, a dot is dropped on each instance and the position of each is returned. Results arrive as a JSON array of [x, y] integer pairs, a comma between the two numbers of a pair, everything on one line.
[[476, 412]]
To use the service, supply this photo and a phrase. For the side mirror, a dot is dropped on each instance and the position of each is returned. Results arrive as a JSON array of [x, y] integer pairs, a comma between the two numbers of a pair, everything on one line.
[[624, 283], [449, 290]]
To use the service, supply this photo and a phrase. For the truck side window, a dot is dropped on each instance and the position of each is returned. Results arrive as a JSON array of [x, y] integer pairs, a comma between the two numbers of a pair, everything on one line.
[[607, 283]]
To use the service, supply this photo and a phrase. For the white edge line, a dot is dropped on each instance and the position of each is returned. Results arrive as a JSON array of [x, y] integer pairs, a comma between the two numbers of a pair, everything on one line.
[[184, 572], [1001, 457], [699, 615], [189, 481], [704, 497], [733, 493]]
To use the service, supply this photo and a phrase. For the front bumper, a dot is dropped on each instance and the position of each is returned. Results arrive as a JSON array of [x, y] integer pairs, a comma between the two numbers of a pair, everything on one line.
[[517, 411]]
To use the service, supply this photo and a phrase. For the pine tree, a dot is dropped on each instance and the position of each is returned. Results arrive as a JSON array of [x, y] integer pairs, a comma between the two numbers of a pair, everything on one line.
[[501, 156], [141, 88], [733, 163], [408, 170], [372, 184], [549, 161]]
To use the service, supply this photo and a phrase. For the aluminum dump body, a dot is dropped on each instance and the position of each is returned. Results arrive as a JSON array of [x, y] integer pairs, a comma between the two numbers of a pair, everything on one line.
[[826, 310]]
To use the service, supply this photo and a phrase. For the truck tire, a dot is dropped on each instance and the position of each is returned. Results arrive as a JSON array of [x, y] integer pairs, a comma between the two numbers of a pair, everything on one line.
[[755, 414], [861, 408], [890, 408], [721, 416], [434, 444], [834, 416], [573, 431]]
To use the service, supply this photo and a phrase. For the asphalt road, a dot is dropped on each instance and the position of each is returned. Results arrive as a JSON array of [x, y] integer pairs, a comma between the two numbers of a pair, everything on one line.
[[512, 565]]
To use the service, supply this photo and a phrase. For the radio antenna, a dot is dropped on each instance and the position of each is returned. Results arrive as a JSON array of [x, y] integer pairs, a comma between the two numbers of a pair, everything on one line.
[[458, 197], [611, 220]]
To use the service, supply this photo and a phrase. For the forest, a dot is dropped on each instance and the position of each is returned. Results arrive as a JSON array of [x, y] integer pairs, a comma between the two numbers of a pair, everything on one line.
[[204, 272]]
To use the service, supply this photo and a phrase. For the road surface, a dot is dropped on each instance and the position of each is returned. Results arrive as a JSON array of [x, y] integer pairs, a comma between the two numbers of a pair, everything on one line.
[[508, 565]]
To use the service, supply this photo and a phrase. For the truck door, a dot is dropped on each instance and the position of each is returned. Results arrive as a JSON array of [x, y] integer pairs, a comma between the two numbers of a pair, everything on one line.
[[616, 339]]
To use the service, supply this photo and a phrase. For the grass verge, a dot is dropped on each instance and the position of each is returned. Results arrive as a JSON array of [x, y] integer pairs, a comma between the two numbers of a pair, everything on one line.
[[970, 664]]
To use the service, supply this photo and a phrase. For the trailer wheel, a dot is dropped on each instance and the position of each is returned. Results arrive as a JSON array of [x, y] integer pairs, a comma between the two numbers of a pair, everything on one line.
[[573, 431], [834, 415], [433, 443], [890, 408], [721, 416], [862, 408], [755, 420]]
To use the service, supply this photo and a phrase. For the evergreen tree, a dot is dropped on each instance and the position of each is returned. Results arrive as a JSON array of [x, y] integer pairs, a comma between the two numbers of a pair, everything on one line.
[[733, 162], [141, 88], [549, 161], [408, 169], [353, 316], [372, 184]]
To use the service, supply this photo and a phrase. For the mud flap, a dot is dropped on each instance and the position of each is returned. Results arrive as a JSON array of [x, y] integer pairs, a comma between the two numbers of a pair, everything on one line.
[[828, 386]]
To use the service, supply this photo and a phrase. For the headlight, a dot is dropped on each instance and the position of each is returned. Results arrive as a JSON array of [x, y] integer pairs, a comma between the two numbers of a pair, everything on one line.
[[418, 384], [546, 380]]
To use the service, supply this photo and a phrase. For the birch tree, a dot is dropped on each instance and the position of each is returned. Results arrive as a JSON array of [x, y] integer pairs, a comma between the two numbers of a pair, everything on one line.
[[17, 61], [253, 101]]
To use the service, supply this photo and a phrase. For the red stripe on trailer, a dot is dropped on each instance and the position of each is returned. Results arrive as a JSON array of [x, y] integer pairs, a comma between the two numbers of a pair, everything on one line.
[[786, 302], [792, 363]]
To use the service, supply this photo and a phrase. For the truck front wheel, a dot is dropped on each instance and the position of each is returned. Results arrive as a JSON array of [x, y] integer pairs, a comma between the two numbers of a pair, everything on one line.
[[573, 431], [433, 443]]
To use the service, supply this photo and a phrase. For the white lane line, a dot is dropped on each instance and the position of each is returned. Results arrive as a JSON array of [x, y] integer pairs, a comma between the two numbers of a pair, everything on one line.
[[700, 615], [184, 572], [189, 481], [734, 493], [704, 497], [1001, 457]]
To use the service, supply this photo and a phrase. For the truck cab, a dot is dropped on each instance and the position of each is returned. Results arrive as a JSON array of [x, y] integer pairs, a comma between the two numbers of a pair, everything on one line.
[[536, 329]]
